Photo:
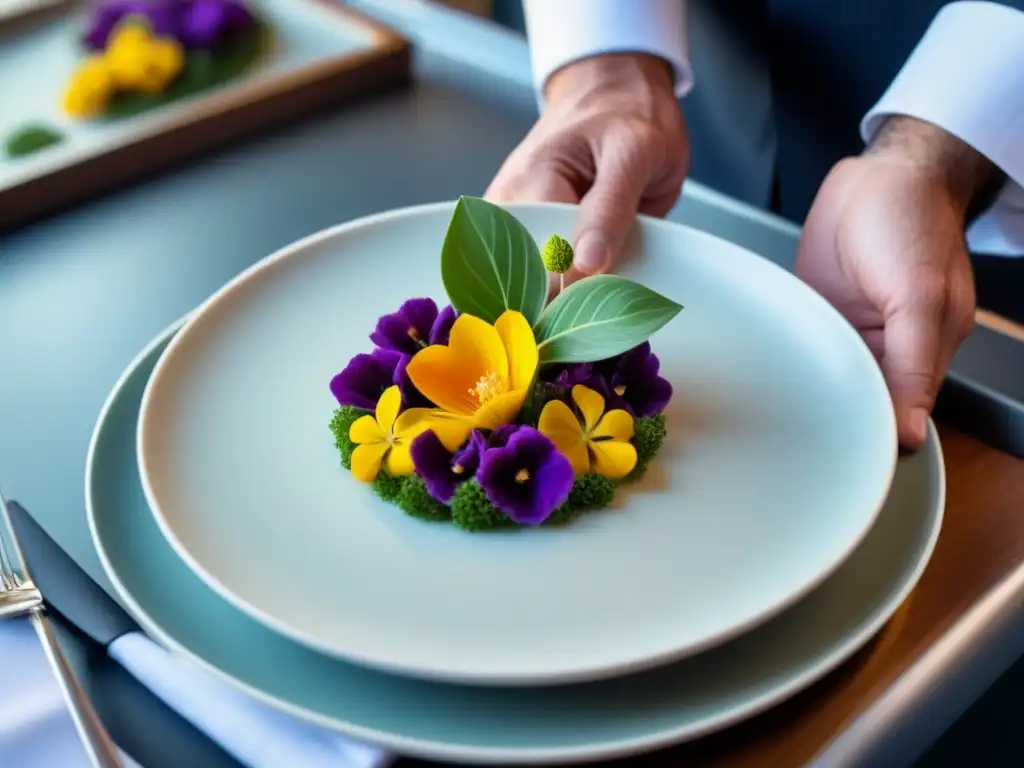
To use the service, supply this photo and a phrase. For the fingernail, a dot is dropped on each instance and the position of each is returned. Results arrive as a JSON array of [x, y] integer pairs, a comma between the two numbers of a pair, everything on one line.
[[913, 428], [919, 423], [592, 254]]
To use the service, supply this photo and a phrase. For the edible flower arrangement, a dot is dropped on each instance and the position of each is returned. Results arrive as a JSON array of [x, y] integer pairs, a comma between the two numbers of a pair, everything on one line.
[[502, 409], [143, 53]]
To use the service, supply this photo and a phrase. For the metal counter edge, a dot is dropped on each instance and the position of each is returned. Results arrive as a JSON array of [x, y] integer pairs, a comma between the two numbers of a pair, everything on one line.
[[929, 696]]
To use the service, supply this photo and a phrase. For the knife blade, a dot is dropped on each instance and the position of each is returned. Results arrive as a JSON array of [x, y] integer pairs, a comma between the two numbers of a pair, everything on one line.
[[68, 590]]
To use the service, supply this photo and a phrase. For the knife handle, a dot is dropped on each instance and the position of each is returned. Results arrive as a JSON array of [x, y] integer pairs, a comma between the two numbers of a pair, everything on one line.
[[102, 751]]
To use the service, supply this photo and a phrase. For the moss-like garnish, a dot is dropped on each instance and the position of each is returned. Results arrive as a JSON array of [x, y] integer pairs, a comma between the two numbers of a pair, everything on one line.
[[387, 486], [416, 501], [341, 422], [648, 435], [473, 511], [588, 493]]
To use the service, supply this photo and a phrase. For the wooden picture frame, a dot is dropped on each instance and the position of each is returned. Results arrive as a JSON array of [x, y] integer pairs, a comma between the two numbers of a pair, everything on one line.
[[206, 122]]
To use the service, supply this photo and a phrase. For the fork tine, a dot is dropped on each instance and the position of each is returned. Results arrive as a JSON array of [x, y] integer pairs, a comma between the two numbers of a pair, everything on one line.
[[8, 578]]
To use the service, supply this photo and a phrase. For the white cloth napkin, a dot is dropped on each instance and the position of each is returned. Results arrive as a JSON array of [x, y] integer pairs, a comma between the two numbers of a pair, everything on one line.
[[36, 730]]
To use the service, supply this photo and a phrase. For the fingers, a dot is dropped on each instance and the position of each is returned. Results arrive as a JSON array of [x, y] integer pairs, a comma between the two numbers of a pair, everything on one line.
[[661, 205], [915, 346], [536, 185], [959, 322], [541, 185], [608, 210], [622, 169]]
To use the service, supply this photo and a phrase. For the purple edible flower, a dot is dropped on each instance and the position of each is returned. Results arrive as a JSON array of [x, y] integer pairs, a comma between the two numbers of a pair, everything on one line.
[[161, 16], [563, 379], [528, 478], [164, 18], [441, 470], [398, 337], [442, 326], [411, 396], [497, 438], [365, 378], [629, 381], [103, 19], [634, 381], [409, 329], [204, 23], [570, 375], [577, 373], [194, 23]]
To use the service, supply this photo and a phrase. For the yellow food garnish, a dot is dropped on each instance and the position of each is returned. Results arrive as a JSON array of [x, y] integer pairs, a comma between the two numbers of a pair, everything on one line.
[[600, 444], [89, 89], [140, 62], [483, 374], [385, 437], [135, 60]]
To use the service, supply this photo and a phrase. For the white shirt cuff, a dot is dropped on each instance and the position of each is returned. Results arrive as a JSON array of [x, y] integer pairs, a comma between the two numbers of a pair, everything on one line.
[[563, 31], [967, 77]]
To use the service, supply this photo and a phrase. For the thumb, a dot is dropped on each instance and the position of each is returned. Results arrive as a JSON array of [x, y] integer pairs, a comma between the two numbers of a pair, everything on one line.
[[608, 209], [913, 344]]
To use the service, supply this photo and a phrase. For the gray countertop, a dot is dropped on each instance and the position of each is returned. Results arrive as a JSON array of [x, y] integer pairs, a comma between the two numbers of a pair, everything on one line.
[[82, 292]]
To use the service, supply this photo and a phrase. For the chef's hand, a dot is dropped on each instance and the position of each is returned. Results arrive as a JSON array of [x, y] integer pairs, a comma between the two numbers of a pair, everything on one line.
[[884, 243], [611, 138]]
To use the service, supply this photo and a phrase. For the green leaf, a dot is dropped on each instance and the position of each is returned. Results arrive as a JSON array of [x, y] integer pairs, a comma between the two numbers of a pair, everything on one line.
[[600, 317], [490, 263]]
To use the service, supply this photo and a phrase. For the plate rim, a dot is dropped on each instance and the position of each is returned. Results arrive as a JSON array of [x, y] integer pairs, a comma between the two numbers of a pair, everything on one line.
[[445, 673], [437, 750]]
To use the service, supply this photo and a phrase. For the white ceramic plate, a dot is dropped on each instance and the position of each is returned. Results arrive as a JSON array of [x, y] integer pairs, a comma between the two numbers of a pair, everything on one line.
[[780, 453], [454, 723]]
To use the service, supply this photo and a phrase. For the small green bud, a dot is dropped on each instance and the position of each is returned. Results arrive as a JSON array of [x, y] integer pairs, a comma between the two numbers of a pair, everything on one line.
[[557, 255]]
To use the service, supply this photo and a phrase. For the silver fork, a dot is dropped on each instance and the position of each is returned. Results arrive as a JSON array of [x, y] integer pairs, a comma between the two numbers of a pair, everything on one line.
[[19, 597]]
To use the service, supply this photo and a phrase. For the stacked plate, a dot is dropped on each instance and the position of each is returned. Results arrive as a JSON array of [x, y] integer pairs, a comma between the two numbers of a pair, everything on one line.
[[775, 535]]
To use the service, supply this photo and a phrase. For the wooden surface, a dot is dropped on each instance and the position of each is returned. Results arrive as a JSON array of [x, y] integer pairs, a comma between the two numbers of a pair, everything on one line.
[[982, 540], [14, 13], [226, 116], [999, 323], [483, 8]]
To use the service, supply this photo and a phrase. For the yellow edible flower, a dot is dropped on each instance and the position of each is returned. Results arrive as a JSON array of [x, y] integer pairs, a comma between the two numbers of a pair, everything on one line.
[[140, 62], [385, 437], [484, 373], [90, 88], [600, 443], [133, 32]]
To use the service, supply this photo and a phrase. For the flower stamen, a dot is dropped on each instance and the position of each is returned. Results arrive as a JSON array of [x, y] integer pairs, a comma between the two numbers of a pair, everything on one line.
[[458, 469], [413, 334], [522, 476], [620, 390], [489, 386]]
